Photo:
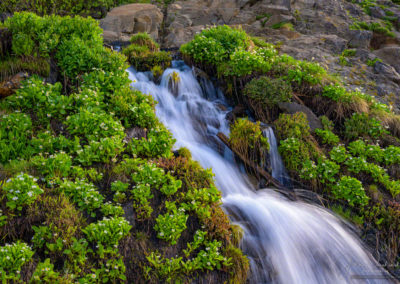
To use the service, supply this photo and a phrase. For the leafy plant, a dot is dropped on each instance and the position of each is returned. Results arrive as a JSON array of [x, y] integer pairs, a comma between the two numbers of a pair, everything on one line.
[[351, 190], [12, 258], [21, 190], [171, 224]]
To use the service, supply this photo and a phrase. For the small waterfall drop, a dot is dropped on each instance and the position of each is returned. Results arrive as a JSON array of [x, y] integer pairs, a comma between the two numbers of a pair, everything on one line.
[[286, 242], [278, 169]]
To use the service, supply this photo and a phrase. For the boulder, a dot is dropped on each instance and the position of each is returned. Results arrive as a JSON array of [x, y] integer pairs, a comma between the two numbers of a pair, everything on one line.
[[124, 21], [390, 55], [377, 12], [360, 38], [291, 108], [388, 71]]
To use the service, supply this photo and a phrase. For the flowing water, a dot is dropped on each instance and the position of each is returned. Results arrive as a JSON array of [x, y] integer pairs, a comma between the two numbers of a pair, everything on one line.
[[286, 242]]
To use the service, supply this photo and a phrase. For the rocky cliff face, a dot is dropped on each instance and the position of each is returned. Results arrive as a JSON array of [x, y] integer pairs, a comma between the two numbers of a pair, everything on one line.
[[318, 30]]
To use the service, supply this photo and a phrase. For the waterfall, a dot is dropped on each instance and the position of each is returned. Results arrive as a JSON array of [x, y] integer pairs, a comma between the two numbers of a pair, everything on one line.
[[286, 242], [278, 169]]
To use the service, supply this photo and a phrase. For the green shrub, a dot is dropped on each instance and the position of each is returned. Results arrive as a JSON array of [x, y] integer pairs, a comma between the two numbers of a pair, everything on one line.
[[216, 44], [171, 224], [294, 152], [15, 131], [83, 194], [21, 190], [292, 125], [351, 190], [45, 272], [362, 125], [107, 233], [327, 136], [374, 26], [94, 124], [144, 59], [265, 93], [105, 151], [144, 39], [57, 165], [247, 138], [12, 258]]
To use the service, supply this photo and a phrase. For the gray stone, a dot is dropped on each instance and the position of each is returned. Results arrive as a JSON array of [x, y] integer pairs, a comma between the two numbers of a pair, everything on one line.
[[124, 21], [360, 38], [387, 71], [377, 12], [390, 55], [291, 108]]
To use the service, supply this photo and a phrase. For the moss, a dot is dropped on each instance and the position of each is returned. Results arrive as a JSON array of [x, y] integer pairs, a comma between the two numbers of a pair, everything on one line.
[[32, 65], [240, 265], [246, 137], [143, 59], [144, 39], [184, 153], [265, 93]]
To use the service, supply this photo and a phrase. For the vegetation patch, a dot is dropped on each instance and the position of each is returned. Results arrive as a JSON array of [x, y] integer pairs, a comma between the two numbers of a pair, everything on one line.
[[79, 201]]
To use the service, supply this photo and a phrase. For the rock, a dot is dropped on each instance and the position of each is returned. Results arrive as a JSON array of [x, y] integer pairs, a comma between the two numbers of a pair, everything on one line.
[[387, 71], [8, 88], [390, 55], [360, 38], [291, 108], [238, 111], [124, 21], [377, 12]]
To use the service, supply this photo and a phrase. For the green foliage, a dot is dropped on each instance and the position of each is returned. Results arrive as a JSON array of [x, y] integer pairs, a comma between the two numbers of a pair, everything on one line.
[[44, 99], [144, 39], [377, 27], [57, 165], [327, 136], [294, 152], [43, 36], [93, 124], [361, 125], [21, 190], [12, 258], [351, 190], [343, 58], [284, 25], [107, 232], [15, 131], [64, 7], [325, 171], [267, 92], [105, 151], [109, 209], [32, 65], [45, 272], [295, 125], [83, 194], [216, 44], [372, 62], [171, 224], [144, 58]]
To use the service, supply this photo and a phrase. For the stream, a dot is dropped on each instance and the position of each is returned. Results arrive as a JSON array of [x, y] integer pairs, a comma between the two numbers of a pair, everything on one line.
[[285, 241]]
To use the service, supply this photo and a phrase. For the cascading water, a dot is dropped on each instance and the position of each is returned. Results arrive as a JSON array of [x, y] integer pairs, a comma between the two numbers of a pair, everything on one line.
[[278, 169], [286, 242]]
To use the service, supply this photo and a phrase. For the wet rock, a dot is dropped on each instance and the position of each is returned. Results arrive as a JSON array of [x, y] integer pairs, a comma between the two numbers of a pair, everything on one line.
[[124, 21], [291, 108], [360, 39], [8, 88], [238, 111]]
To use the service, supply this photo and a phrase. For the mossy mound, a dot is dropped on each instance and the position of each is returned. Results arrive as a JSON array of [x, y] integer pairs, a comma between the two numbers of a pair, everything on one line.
[[144, 54], [81, 200]]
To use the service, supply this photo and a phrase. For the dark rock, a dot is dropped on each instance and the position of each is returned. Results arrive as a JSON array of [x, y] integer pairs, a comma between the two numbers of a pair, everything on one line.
[[5, 42], [387, 71], [377, 12], [238, 111], [291, 108], [129, 214], [390, 55], [135, 133], [360, 38]]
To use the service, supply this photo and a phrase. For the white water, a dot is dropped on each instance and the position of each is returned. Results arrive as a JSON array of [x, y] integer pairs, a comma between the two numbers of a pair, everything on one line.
[[286, 242]]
